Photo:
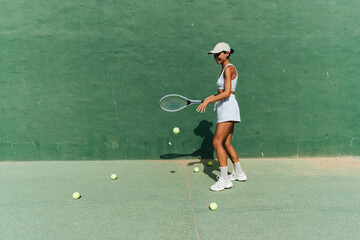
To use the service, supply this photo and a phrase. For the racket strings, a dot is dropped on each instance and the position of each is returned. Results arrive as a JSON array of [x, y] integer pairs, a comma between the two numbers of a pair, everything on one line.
[[173, 103]]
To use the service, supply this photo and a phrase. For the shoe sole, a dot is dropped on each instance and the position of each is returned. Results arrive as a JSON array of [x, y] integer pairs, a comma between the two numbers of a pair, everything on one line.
[[240, 180], [220, 189]]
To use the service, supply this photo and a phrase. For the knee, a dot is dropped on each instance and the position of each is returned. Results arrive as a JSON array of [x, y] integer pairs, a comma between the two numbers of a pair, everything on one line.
[[227, 145], [217, 143]]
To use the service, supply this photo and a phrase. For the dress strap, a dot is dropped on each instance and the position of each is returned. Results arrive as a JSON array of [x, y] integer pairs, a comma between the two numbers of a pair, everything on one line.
[[225, 68]]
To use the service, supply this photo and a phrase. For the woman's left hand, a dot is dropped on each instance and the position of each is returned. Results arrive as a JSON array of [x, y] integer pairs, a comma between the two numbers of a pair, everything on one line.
[[202, 107]]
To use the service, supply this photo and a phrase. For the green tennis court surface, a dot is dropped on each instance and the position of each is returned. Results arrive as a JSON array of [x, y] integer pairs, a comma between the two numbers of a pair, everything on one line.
[[311, 198]]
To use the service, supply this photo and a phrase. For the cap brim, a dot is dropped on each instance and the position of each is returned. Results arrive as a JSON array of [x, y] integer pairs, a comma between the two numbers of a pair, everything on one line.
[[213, 52]]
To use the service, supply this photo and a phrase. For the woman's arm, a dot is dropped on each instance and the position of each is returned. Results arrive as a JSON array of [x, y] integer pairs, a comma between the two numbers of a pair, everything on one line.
[[214, 98]]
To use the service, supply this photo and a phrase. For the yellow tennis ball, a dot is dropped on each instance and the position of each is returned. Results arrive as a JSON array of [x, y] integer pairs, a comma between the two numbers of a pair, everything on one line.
[[113, 176], [196, 169], [176, 130], [76, 195], [210, 163], [213, 206]]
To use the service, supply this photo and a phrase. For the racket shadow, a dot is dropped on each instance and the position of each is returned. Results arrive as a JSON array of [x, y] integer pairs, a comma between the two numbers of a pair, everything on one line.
[[173, 155]]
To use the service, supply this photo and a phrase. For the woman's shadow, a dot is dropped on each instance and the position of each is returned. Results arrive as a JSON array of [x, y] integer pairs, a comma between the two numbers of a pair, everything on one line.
[[205, 152]]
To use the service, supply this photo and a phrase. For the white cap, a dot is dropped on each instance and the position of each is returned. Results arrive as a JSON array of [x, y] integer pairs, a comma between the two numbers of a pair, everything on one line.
[[220, 47]]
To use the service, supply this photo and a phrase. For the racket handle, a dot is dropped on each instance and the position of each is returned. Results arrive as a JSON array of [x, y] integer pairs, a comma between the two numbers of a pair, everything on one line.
[[202, 101]]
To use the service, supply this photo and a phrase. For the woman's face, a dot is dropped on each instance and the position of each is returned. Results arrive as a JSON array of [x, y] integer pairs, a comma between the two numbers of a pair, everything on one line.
[[220, 57]]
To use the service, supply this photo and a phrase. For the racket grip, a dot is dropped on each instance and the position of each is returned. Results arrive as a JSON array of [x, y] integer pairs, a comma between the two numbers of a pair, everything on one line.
[[202, 101]]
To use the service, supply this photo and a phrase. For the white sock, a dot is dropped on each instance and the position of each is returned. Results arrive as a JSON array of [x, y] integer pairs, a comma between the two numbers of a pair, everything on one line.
[[237, 167], [224, 172]]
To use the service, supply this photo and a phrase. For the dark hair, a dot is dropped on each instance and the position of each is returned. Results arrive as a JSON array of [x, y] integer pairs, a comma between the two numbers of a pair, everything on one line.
[[231, 52]]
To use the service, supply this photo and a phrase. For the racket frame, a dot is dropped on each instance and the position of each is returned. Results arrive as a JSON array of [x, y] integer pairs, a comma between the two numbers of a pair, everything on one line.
[[189, 102]]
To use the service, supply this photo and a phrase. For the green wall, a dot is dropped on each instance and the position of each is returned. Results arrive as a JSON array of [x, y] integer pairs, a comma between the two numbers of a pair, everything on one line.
[[82, 79]]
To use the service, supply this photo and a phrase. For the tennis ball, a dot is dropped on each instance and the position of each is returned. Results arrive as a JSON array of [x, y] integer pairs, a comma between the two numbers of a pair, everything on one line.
[[176, 130], [213, 206], [210, 163], [196, 169], [113, 176], [76, 195]]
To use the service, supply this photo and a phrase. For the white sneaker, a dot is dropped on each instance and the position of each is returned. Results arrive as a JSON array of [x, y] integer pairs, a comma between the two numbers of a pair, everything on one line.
[[237, 176], [221, 184]]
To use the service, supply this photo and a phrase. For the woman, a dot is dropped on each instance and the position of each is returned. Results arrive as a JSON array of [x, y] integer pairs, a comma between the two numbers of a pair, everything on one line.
[[228, 113]]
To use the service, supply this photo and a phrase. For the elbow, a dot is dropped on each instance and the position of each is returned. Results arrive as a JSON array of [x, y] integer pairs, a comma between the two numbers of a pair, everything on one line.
[[228, 94]]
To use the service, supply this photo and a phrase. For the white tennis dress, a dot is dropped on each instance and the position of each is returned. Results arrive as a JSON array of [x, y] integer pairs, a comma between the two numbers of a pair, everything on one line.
[[228, 108]]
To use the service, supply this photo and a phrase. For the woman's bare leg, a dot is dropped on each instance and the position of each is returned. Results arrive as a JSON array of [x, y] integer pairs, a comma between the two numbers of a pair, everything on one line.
[[221, 134], [229, 148]]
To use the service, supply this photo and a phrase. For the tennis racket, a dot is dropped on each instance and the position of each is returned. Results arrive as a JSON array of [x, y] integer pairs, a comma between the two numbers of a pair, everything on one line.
[[176, 102]]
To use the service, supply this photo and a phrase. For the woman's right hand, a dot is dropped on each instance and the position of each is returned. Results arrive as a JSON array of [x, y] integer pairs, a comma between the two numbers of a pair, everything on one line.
[[202, 107]]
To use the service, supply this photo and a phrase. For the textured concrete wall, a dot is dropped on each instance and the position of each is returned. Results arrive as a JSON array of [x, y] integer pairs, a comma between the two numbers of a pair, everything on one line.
[[82, 79]]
